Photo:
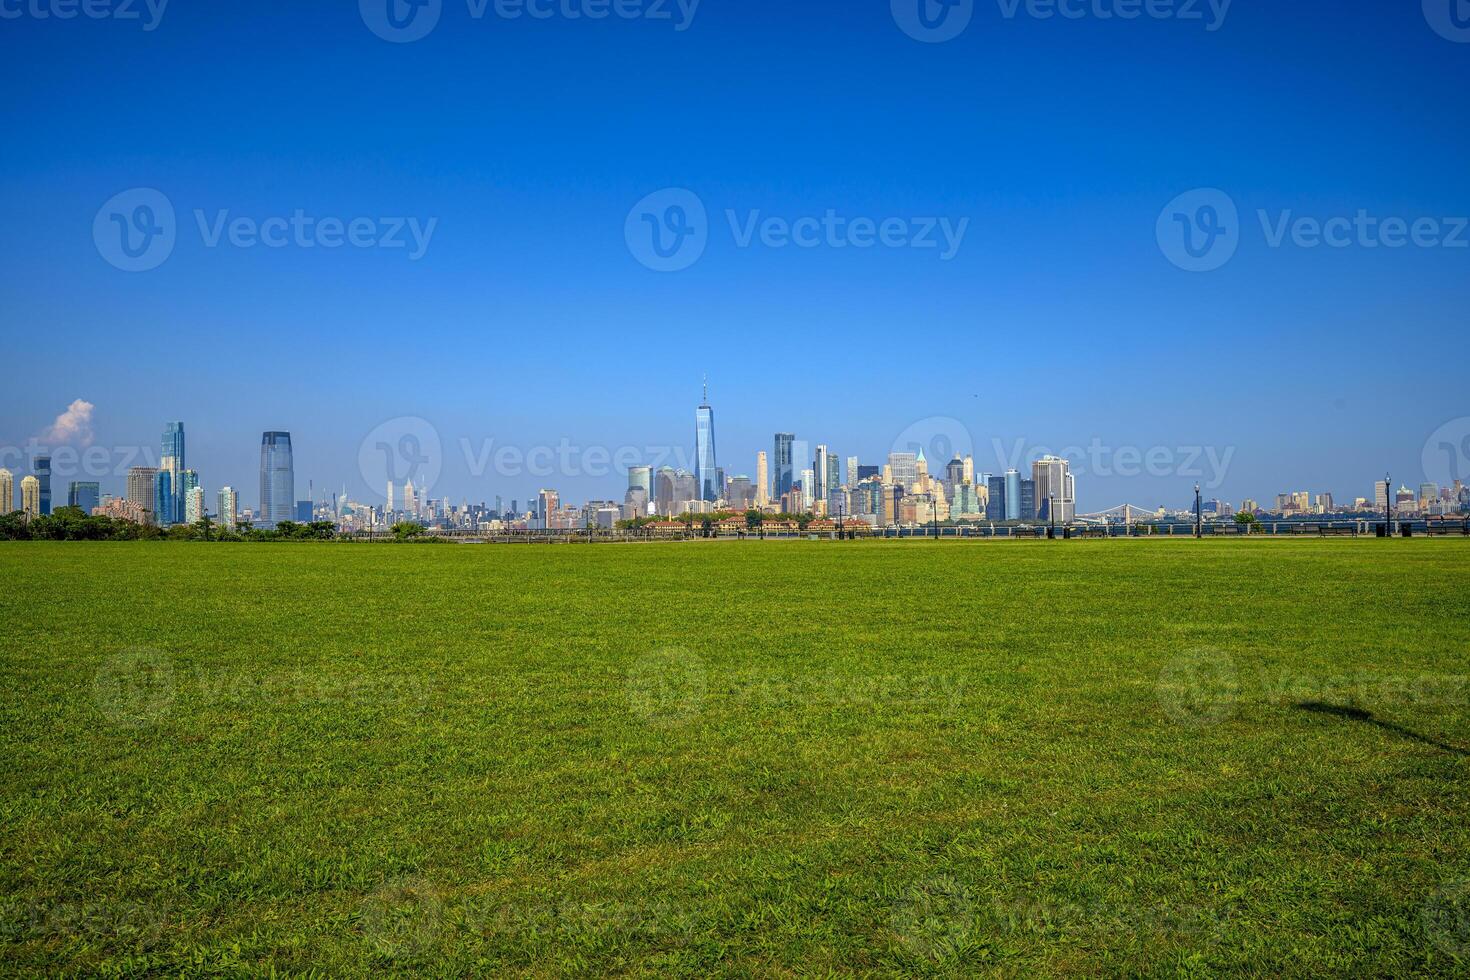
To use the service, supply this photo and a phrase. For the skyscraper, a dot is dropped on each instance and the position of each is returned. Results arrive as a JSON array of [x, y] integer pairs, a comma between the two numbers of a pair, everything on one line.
[[171, 461], [1013, 495], [762, 480], [163, 498], [995, 507], [641, 476], [852, 472], [277, 478], [142, 484], [785, 474], [229, 506], [7, 491], [904, 468], [1054, 489], [705, 477], [819, 474], [43, 483], [30, 497], [86, 495]]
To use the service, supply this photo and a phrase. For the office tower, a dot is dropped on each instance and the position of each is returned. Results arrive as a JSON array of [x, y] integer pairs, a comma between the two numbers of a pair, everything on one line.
[[852, 472], [869, 473], [547, 503], [663, 490], [86, 495], [188, 482], [781, 458], [818, 486], [43, 483], [7, 491], [704, 450], [194, 505], [686, 488], [966, 505], [30, 497], [954, 473], [741, 493], [229, 507], [1428, 494], [303, 511], [834, 473], [142, 484], [995, 507], [969, 471], [390, 497], [1013, 495], [808, 481], [904, 468], [163, 499], [171, 461], [762, 480], [1054, 488], [277, 478], [641, 476], [720, 481], [1027, 510]]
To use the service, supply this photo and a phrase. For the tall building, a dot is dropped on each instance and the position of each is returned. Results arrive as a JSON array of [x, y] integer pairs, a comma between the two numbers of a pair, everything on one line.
[[229, 507], [277, 478], [547, 504], [30, 497], [1054, 489], [7, 491], [171, 461], [142, 486], [1027, 508], [995, 507], [852, 473], [84, 494], [762, 480], [704, 451], [194, 505], [818, 487], [1013, 495], [641, 476], [903, 468], [163, 499], [954, 473], [781, 458], [43, 483]]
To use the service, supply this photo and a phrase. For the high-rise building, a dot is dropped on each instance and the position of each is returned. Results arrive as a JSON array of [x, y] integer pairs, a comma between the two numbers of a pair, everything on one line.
[[43, 483], [904, 469], [171, 461], [704, 451], [84, 494], [1026, 510], [781, 458], [762, 480], [852, 473], [818, 486], [547, 503], [834, 473], [30, 497], [142, 487], [277, 478], [954, 473], [7, 491], [303, 511], [641, 476], [194, 505], [229, 507], [995, 507], [1054, 490]]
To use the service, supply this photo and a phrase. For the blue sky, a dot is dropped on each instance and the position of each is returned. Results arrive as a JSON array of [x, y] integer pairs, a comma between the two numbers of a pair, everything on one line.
[[1059, 322]]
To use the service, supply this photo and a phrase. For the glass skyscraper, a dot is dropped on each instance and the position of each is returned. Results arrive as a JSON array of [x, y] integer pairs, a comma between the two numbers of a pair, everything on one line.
[[705, 476], [1013, 496], [43, 477], [85, 495], [783, 472], [171, 461], [277, 479]]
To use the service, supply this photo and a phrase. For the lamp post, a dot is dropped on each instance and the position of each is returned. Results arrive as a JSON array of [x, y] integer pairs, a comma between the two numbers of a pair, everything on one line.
[[1051, 514], [1387, 506], [1199, 514]]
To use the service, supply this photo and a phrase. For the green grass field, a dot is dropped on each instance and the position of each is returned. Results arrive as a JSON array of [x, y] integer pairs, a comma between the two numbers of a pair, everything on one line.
[[737, 758]]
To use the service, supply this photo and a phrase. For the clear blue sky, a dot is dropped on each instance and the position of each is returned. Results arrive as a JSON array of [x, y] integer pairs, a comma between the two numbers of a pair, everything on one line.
[[1060, 321]]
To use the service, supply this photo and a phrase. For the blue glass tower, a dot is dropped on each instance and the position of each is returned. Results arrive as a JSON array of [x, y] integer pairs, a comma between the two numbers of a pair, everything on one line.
[[84, 494], [171, 461], [277, 479], [783, 473], [43, 477], [164, 510], [706, 479]]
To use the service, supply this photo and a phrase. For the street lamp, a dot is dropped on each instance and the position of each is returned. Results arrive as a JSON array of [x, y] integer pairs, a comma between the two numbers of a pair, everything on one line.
[[1051, 514], [1199, 514]]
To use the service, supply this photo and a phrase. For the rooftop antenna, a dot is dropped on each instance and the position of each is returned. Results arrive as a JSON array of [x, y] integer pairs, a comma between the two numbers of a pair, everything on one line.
[[706, 389]]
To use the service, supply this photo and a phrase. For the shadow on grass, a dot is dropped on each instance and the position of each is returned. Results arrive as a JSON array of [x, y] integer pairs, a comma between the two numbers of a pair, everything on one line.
[[1358, 714]]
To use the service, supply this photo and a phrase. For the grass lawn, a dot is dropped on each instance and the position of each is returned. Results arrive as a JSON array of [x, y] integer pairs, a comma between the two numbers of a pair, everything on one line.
[[747, 759]]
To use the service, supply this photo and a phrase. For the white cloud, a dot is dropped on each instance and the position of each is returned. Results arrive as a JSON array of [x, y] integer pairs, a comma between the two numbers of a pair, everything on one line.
[[73, 426]]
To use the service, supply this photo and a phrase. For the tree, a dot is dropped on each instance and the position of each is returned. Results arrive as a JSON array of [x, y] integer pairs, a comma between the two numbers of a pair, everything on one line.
[[753, 519], [407, 530]]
